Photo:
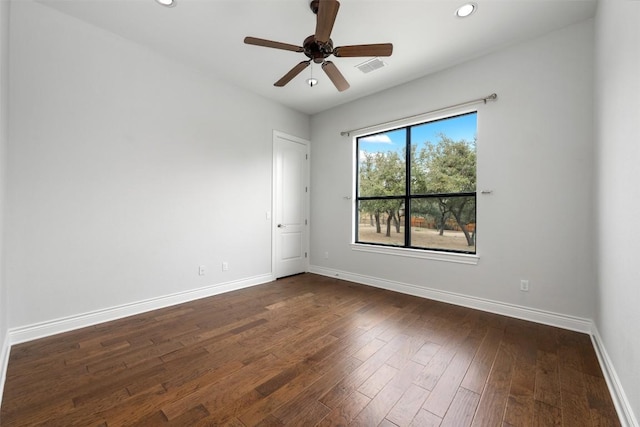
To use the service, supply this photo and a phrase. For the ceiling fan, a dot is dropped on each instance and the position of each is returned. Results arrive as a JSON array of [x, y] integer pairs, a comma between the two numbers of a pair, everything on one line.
[[317, 47]]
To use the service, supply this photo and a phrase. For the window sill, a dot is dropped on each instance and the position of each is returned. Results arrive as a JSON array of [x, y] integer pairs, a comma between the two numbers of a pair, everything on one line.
[[457, 258]]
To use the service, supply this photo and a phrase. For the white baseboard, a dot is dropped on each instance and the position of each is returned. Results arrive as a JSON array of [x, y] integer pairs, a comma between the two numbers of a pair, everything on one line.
[[623, 407], [4, 362], [534, 315], [52, 327]]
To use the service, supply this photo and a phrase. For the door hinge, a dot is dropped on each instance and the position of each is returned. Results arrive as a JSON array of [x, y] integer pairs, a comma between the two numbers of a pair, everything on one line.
[[306, 156], [306, 189], [305, 254], [305, 222]]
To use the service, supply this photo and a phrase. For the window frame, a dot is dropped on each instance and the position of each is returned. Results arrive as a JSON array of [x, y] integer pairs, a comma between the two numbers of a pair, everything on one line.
[[448, 255]]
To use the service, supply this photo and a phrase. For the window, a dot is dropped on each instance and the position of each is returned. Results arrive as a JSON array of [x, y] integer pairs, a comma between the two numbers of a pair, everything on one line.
[[416, 186]]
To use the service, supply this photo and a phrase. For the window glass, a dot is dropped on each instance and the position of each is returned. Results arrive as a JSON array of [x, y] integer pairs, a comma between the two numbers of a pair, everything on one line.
[[382, 165], [416, 186]]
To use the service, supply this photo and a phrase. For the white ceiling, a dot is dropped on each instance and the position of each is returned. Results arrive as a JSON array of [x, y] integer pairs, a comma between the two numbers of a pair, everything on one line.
[[426, 35]]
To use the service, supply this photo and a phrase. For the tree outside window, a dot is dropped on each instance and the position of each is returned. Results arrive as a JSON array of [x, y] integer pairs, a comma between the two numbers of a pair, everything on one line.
[[416, 186]]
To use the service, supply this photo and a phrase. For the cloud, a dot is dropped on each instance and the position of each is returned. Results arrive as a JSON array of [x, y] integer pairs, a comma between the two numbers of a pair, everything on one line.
[[380, 138]]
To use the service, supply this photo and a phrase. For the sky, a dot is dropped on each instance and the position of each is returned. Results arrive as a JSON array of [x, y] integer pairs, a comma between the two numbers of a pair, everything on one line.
[[456, 128]]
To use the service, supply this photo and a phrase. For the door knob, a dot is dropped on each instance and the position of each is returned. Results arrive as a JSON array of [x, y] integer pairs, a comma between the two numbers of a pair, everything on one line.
[[281, 226]]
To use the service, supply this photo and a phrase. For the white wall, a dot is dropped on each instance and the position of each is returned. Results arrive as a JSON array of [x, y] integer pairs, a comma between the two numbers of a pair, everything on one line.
[[4, 135], [127, 171], [535, 153], [617, 113]]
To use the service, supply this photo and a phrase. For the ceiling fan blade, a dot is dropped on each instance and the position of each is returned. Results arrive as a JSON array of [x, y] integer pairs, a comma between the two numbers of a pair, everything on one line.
[[269, 43], [292, 73], [336, 77], [382, 49], [326, 17]]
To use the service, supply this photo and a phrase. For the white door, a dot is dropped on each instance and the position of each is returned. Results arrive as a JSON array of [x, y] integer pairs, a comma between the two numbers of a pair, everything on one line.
[[290, 192]]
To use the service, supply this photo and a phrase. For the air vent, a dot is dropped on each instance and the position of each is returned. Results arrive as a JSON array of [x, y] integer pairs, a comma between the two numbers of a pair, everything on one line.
[[370, 65]]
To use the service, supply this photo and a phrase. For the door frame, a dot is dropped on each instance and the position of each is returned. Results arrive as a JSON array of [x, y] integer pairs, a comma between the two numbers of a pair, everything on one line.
[[274, 192]]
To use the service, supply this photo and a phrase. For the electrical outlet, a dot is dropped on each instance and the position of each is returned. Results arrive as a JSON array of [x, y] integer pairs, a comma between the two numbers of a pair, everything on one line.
[[225, 266], [201, 270], [524, 285]]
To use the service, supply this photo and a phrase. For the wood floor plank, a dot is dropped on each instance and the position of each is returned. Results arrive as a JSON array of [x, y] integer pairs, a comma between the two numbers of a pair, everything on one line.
[[478, 372], [386, 423], [493, 400], [345, 412], [233, 422], [307, 402], [430, 375], [135, 409], [520, 405], [405, 410], [601, 407], [382, 404], [332, 362], [590, 364], [545, 415], [375, 412], [573, 393], [407, 351], [547, 379], [370, 349], [376, 382], [309, 350], [426, 353], [448, 385], [224, 408], [351, 383], [308, 414], [575, 409], [462, 409], [426, 419], [312, 382], [213, 393]]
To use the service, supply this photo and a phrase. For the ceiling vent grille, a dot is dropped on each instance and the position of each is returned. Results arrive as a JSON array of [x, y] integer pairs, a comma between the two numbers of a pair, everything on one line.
[[370, 65]]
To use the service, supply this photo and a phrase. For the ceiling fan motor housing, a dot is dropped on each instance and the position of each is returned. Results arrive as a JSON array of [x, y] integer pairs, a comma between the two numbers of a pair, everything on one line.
[[318, 46], [315, 51]]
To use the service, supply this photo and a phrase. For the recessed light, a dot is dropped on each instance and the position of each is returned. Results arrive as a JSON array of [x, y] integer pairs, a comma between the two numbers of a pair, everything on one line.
[[466, 10], [167, 3]]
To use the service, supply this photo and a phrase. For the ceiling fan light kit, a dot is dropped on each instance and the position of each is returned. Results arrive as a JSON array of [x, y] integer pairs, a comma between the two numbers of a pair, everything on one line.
[[319, 46]]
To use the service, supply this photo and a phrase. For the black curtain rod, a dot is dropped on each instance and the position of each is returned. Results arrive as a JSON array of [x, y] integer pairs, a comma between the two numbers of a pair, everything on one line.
[[491, 97]]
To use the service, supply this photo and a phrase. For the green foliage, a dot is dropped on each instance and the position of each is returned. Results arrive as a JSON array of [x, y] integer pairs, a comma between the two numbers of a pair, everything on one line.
[[382, 174], [446, 166]]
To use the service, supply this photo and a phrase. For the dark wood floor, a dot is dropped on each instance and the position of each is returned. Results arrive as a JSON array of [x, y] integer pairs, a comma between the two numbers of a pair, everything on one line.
[[309, 350]]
